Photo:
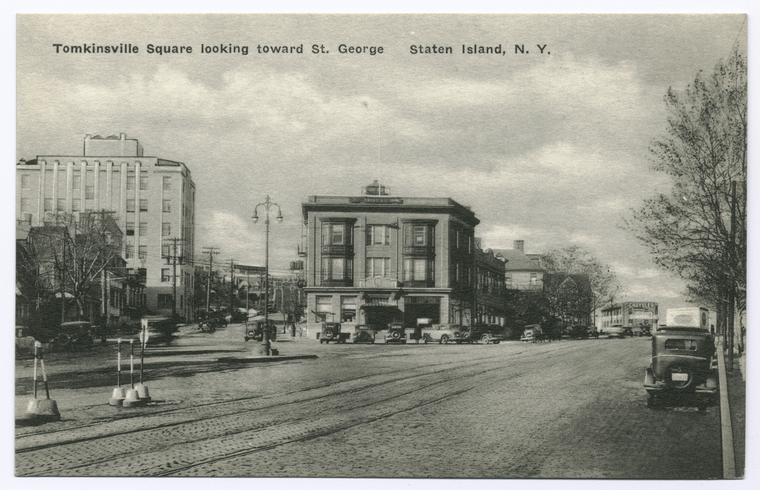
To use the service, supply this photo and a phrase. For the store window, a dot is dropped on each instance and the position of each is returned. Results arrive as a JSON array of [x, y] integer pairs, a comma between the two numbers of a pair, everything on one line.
[[324, 311], [348, 309]]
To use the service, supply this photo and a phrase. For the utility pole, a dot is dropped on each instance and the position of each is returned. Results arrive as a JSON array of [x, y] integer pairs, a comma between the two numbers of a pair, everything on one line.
[[63, 278], [174, 259], [232, 282], [211, 251]]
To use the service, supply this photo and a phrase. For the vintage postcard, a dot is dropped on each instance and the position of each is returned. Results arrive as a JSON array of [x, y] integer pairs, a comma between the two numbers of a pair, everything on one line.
[[372, 246]]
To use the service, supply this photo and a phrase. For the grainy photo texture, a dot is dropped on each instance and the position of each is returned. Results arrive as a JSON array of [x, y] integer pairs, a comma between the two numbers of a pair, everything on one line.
[[419, 246]]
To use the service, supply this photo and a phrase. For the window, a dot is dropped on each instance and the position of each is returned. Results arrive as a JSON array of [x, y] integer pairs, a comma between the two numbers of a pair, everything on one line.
[[143, 228], [335, 234], [420, 235], [61, 204], [76, 182], [378, 266], [165, 250], [348, 308], [130, 231], [378, 235], [166, 275], [419, 270], [48, 204], [164, 301], [26, 181], [166, 229], [533, 278], [25, 204], [142, 252], [130, 182], [27, 218], [89, 191], [143, 182], [166, 183], [130, 205], [129, 252], [337, 269], [324, 311], [143, 204], [167, 205]]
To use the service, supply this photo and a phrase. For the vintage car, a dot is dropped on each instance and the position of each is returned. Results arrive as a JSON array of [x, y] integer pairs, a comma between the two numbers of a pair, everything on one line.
[[532, 333], [395, 334], [364, 334], [615, 331], [161, 329], [487, 334], [442, 333], [74, 336], [254, 329], [682, 362], [331, 333]]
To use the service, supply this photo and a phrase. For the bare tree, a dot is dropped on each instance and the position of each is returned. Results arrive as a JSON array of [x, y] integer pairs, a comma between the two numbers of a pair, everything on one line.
[[577, 260], [80, 247], [698, 229]]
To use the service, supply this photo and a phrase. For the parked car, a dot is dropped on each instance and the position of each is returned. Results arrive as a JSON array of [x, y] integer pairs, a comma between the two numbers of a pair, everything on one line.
[[161, 329], [487, 334], [331, 332], [395, 334], [532, 333], [682, 361], [442, 333], [254, 329], [76, 335], [615, 331], [364, 334]]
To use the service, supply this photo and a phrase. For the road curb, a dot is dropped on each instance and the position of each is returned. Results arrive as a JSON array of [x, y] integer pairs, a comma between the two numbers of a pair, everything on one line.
[[726, 430], [256, 359]]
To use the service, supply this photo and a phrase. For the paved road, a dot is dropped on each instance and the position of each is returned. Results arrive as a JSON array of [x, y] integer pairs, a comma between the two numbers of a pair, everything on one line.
[[564, 409]]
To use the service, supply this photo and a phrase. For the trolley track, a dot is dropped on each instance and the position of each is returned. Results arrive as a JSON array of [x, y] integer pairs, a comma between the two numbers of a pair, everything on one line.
[[333, 402]]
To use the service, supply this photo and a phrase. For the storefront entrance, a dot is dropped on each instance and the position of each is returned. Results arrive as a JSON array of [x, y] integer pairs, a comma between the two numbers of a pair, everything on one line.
[[416, 307]]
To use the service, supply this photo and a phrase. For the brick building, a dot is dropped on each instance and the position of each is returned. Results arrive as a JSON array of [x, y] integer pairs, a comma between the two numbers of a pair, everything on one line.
[[376, 258]]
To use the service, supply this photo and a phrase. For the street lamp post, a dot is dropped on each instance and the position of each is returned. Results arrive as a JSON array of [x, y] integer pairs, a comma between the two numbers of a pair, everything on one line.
[[267, 205]]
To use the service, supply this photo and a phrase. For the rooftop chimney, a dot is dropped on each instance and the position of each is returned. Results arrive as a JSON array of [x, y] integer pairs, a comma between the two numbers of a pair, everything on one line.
[[519, 245]]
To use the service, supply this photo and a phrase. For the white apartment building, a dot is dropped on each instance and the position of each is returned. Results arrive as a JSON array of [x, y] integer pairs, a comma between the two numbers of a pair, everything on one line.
[[152, 200]]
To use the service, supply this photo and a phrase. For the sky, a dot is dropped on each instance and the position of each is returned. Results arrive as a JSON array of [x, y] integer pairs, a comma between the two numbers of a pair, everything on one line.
[[550, 149]]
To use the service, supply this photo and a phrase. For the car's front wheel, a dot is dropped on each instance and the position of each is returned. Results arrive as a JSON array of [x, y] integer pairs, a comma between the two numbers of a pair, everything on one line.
[[444, 339], [485, 338]]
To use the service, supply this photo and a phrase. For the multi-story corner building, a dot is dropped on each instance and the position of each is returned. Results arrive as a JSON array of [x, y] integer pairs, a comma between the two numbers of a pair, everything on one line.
[[522, 271], [376, 258], [151, 198], [490, 306], [634, 314]]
